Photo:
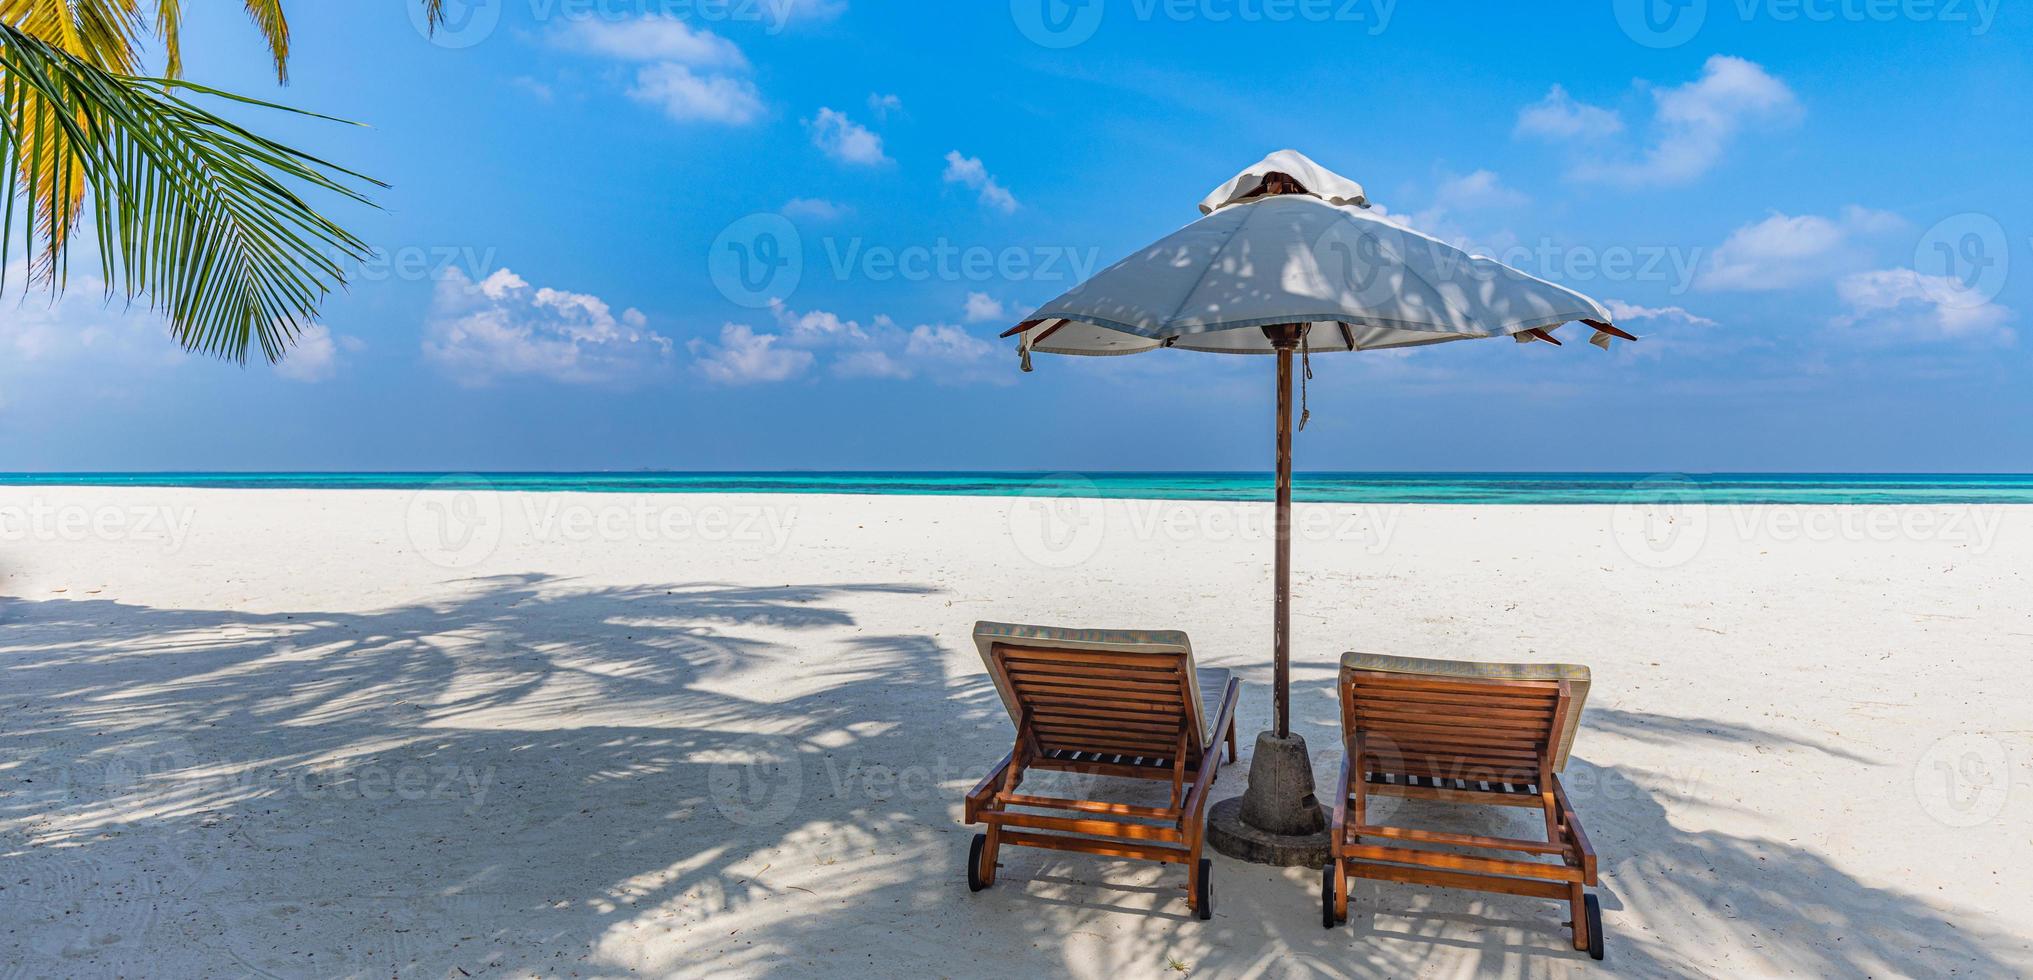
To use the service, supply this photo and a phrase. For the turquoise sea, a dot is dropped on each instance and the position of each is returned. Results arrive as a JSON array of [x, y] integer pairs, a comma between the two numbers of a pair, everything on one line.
[[1436, 488]]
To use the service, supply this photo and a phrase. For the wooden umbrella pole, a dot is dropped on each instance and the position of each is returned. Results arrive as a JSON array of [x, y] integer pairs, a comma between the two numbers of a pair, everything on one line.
[[1283, 338]]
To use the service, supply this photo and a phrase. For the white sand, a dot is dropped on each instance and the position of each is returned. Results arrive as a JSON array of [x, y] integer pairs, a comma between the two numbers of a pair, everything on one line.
[[273, 733]]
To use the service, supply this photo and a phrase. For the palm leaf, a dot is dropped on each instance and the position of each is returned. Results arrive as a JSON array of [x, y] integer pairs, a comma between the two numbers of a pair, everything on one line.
[[194, 214], [103, 33]]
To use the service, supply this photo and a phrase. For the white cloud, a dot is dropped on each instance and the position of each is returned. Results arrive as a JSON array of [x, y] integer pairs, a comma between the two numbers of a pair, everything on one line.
[[692, 74], [1904, 305], [818, 328], [946, 345], [536, 89], [1558, 116], [1784, 250], [1693, 126], [845, 140], [688, 97], [982, 307], [77, 346], [879, 350], [1672, 332], [480, 333], [652, 37], [1480, 189], [970, 172], [746, 357], [815, 208], [1621, 312], [942, 352], [315, 356], [882, 105], [871, 364]]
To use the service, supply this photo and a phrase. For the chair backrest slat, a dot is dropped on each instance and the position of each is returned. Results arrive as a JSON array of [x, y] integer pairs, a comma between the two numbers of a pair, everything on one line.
[[1477, 729], [1103, 702]]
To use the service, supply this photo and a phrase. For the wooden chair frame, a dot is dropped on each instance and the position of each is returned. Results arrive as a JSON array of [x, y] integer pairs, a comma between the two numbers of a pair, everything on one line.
[[1128, 715], [1479, 741]]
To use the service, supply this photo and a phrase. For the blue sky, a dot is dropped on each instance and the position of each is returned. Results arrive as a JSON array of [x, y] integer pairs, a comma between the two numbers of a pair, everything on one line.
[[1813, 212]]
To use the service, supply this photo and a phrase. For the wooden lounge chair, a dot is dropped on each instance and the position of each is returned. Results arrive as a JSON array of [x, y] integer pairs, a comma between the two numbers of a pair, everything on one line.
[[1125, 703], [1459, 732]]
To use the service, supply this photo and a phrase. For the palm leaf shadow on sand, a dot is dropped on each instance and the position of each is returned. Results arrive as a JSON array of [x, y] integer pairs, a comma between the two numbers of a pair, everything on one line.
[[603, 785], [211, 781]]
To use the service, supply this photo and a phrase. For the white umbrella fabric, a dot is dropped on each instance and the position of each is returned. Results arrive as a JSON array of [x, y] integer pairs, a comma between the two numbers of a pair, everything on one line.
[[1265, 256]]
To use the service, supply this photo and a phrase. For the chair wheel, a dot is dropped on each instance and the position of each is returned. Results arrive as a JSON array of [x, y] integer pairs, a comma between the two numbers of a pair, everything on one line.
[[1327, 917], [1593, 911], [974, 882], [1203, 902]]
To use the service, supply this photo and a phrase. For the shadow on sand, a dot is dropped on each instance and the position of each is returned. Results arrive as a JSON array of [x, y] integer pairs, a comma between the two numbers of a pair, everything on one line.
[[535, 777]]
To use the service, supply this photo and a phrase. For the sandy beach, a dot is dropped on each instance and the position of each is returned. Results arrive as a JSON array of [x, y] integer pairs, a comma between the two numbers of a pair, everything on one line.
[[385, 733]]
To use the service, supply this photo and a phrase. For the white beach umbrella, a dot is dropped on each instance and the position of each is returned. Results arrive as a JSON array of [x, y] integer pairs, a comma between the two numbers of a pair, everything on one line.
[[1274, 251], [1288, 258]]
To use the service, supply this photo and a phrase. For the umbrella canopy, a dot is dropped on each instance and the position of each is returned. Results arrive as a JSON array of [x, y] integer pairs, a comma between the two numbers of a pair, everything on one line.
[[1290, 242]]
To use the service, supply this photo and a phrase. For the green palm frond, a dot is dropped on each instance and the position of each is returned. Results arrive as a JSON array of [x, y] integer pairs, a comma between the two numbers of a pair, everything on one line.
[[194, 215]]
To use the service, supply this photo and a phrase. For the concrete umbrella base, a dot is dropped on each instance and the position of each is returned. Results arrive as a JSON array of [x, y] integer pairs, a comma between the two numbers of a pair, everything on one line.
[[1277, 821]]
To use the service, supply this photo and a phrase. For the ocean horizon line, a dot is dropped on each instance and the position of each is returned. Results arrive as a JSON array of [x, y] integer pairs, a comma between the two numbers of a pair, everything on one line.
[[1317, 486]]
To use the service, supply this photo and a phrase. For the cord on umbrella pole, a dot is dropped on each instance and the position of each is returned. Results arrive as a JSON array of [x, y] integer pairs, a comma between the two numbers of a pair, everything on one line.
[[1306, 374]]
